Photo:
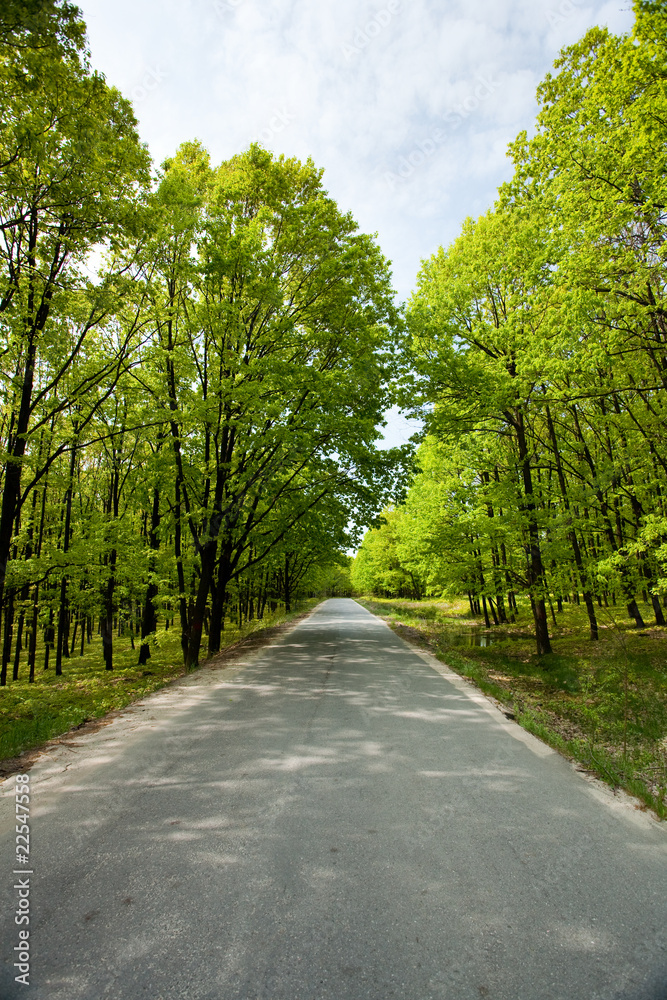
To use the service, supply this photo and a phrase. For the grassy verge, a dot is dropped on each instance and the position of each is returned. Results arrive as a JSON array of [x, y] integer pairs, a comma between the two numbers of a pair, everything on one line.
[[31, 714], [601, 704]]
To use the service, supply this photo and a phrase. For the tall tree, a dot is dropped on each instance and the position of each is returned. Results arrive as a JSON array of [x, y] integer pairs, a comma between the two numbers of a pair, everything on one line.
[[71, 163], [275, 347]]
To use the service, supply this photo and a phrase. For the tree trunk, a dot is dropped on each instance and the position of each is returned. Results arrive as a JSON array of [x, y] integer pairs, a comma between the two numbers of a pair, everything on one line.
[[574, 541], [219, 599], [149, 618], [62, 626], [62, 647], [32, 648], [486, 613], [106, 620], [657, 610], [14, 464], [9, 631], [208, 557], [19, 646], [536, 577], [616, 545], [49, 636]]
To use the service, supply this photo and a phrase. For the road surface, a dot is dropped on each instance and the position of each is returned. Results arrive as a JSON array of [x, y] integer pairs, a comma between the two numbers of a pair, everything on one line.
[[335, 820]]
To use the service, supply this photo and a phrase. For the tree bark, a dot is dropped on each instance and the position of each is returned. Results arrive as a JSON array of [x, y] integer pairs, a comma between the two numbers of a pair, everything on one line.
[[536, 575], [574, 541], [63, 610], [106, 622], [208, 558], [8, 635], [149, 617]]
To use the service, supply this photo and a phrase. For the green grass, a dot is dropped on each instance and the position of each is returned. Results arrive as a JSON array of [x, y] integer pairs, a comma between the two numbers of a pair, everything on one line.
[[31, 714], [603, 704]]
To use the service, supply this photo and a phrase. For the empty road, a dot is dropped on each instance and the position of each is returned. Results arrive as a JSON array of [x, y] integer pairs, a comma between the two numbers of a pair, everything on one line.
[[335, 820]]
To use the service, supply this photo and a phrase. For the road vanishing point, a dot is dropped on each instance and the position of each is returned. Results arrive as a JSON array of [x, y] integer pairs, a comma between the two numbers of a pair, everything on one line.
[[337, 817]]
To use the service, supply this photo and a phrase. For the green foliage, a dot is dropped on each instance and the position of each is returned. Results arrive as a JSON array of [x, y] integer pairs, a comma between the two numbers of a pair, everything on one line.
[[537, 345], [377, 567], [330, 580], [272, 322], [42, 25], [194, 370]]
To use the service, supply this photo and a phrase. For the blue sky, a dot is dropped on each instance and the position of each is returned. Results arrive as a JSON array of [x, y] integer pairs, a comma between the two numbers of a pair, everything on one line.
[[408, 105]]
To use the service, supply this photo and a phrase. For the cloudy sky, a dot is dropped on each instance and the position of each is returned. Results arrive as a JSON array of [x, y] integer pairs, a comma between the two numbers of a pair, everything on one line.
[[407, 104]]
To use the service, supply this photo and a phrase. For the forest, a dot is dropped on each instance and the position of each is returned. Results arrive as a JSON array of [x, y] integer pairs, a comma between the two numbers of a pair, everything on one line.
[[195, 360], [536, 352], [197, 357]]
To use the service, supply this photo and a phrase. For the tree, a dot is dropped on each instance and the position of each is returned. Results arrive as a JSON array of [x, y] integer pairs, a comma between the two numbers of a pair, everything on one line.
[[272, 347], [476, 318], [377, 566], [71, 168], [538, 346]]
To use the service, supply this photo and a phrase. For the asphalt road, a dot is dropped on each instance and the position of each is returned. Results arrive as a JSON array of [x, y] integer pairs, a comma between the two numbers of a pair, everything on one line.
[[334, 821]]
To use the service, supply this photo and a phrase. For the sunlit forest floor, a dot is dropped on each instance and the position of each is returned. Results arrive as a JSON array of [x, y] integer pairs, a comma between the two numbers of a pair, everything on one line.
[[603, 704], [31, 714]]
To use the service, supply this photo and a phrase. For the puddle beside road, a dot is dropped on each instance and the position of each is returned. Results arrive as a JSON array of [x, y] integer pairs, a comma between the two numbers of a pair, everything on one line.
[[478, 637], [471, 637], [474, 635]]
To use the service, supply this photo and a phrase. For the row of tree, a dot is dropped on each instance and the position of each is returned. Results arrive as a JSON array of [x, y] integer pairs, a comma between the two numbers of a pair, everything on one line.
[[538, 352], [194, 363]]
